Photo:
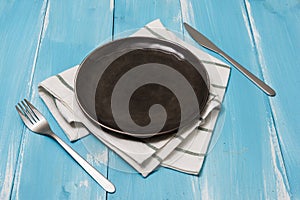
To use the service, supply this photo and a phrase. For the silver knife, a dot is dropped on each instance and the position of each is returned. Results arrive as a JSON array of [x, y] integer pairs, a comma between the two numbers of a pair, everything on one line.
[[205, 42]]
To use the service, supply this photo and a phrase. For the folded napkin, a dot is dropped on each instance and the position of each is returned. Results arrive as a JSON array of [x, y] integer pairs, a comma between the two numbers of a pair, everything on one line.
[[184, 151]]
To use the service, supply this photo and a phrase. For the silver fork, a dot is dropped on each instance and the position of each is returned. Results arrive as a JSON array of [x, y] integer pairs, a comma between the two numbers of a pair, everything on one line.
[[37, 123]]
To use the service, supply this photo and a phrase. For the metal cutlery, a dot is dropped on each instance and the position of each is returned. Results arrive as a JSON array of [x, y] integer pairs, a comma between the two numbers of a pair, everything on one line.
[[37, 123], [205, 42]]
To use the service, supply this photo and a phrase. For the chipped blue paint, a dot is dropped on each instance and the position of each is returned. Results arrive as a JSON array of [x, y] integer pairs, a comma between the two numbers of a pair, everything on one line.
[[20, 25], [255, 154]]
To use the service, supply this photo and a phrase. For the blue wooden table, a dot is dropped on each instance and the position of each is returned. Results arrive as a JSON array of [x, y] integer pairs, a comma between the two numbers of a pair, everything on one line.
[[257, 154]]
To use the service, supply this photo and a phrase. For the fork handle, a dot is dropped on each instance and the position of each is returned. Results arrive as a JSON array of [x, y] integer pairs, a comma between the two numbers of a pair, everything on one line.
[[98, 177]]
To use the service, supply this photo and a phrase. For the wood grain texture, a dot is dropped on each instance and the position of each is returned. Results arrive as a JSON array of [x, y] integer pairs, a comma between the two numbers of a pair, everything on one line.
[[20, 24], [132, 14], [276, 30], [70, 31], [246, 162]]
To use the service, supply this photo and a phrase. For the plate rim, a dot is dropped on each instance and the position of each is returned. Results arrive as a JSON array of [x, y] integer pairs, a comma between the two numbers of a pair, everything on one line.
[[124, 132]]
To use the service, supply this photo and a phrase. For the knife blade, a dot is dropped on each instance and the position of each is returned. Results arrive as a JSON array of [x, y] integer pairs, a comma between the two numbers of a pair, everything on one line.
[[205, 42]]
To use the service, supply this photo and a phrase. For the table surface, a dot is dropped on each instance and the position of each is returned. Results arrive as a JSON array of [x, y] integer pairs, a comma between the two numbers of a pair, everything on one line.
[[257, 152]]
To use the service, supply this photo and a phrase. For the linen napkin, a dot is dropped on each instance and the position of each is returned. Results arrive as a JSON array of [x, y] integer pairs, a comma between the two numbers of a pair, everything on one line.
[[184, 151]]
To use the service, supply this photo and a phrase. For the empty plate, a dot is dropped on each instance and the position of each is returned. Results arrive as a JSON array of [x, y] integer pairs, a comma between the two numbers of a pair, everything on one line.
[[142, 86]]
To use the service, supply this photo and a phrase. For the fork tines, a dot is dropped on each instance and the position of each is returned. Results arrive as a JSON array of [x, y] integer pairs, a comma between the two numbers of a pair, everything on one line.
[[27, 111]]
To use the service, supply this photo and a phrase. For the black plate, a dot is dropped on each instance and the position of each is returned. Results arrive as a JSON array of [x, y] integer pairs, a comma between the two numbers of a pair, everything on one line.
[[118, 82]]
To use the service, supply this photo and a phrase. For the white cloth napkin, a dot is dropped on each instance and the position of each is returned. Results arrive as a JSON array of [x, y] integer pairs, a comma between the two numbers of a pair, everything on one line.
[[185, 151]]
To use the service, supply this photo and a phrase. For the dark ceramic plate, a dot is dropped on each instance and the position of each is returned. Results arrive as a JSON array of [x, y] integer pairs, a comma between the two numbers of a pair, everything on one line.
[[124, 85]]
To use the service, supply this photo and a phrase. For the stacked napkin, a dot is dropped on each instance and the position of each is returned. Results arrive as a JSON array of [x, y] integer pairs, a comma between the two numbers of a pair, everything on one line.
[[184, 151]]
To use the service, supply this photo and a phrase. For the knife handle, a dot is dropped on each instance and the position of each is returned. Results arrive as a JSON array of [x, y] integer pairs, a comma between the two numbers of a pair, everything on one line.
[[259, 83]]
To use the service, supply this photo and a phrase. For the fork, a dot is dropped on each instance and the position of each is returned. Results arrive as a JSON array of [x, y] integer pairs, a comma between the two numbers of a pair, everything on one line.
[[37, 123]]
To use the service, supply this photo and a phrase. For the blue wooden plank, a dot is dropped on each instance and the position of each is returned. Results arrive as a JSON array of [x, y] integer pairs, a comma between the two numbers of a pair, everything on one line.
[[20, 26], [132, 15], [70, 31], [276, 25], [163, 183], [246, 161]]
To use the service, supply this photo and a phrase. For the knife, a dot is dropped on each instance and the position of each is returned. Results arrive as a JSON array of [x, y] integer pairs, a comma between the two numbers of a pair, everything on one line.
[[205, 42]]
